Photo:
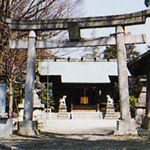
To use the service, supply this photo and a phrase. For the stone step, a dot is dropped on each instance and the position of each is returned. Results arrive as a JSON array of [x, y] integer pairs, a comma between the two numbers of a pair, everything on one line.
[[86, 115], [111, 118], [110, 111], [63, 115], [115, 115]]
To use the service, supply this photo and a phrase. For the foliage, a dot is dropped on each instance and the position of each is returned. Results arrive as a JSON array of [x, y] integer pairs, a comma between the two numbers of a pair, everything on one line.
[[111, 52], [134, 86], [131, 52], [147, 3], [133, 101], [47, 98], [18, 95], [116, 96], [134, 92]]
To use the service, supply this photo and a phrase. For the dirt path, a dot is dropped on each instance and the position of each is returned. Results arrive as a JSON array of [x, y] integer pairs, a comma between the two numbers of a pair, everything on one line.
[[84, 135]]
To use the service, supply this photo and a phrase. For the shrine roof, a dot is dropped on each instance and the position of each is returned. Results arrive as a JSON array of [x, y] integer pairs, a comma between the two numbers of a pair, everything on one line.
[[140, 65], [79, 72]]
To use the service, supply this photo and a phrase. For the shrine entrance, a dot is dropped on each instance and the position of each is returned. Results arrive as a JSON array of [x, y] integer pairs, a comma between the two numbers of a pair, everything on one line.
[[85, 97]]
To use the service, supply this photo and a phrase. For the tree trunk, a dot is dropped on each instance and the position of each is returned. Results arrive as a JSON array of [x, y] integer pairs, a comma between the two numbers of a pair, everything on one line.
[[1, 27], [10, 99]]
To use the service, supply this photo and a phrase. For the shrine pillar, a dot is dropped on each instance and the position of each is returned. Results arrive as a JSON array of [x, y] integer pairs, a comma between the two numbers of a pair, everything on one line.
[[124, 126], [27, 127]]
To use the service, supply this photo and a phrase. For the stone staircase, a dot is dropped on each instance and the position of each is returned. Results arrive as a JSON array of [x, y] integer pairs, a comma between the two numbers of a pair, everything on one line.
[[86, 115]]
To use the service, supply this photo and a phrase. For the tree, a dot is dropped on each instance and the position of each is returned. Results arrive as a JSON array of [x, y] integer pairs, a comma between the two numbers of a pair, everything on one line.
[[111, 52], [13, 62], [147, 3]]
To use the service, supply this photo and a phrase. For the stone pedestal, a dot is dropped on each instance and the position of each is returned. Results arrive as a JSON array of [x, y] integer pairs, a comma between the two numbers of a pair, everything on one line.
[[110, 113], [27, 128], [5, 127], [125, 128]]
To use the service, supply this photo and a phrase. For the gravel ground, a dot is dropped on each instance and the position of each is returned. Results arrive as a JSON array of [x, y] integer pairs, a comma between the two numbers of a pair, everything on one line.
[[71, 136]]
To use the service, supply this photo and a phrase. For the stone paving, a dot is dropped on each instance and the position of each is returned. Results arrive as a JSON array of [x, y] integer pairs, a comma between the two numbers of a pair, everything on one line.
[[69, 135]]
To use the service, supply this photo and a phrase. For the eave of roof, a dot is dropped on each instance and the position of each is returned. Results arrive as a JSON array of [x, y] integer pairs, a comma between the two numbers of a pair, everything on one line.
[[140, 65], [79, 72]]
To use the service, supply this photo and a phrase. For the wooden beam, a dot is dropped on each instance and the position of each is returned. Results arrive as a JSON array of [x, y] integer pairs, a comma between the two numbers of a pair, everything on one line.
[[104, 41], [83, 23]]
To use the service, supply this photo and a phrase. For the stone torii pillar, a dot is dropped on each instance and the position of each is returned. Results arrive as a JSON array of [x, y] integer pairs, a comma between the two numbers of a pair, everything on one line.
[[124, 126], [30, 77], [28, 127]]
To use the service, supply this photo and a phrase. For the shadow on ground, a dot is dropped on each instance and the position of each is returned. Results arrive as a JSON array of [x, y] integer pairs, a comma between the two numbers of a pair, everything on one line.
[[47, 140]]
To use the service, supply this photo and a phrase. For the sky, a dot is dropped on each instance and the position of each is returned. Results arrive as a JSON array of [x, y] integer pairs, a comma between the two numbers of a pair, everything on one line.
[[92, 8]]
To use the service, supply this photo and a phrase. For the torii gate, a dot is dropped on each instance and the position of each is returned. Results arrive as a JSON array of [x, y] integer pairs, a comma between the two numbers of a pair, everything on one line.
[[125, 125]]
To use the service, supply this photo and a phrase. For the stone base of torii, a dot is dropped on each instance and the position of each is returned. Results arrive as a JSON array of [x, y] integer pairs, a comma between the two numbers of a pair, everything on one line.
[[28, 128], [126, 127]]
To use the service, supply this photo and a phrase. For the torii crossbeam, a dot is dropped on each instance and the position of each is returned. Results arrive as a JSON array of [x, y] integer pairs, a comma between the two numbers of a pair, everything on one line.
[[103, 41]]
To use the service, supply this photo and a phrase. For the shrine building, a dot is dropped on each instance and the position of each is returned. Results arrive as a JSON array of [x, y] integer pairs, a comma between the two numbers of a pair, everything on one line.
[[85, 83]]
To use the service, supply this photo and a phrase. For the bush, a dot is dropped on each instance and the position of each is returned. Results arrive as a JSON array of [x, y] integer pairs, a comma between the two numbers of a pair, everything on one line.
[[133, 101]]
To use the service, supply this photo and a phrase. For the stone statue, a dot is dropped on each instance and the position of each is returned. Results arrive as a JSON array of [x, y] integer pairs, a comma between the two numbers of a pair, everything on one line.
[[62, 104], [109, 100], [62, 100], [62, 112]]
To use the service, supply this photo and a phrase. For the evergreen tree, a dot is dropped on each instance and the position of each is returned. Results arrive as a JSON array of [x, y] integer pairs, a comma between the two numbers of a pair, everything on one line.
[[111, 52]]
